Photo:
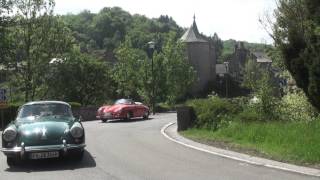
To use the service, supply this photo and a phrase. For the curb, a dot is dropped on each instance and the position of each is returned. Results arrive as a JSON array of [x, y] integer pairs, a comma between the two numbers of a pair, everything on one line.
[[237, 156]]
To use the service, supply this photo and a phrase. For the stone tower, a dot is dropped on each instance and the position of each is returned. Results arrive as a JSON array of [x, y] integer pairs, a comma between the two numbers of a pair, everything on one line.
[[201, 56]]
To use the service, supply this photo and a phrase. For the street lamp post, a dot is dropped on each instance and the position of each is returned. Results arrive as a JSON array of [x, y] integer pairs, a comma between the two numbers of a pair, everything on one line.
[[151, 45], [226, 77]]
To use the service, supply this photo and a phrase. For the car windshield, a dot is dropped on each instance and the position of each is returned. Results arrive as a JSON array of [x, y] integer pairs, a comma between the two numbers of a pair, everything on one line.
[[38, 110], [124, 101]]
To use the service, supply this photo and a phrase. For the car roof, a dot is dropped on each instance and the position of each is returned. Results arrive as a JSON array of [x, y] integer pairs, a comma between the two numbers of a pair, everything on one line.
[[46, 102]]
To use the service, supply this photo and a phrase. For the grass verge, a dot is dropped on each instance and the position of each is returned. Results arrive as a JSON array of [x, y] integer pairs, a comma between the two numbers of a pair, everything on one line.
[[293, 142]]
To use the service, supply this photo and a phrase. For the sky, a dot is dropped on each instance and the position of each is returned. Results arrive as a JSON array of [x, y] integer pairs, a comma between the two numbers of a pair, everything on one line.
[[230, 19]]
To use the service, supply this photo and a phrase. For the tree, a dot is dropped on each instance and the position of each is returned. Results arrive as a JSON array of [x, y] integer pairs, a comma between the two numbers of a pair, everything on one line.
[[297, 34], [39, 37], [80, 78], [251, 75], [217, 44], [110, 27], [130, 70], [5, 20], [172, 75], [180, 75], [265, 92], [261, 81]]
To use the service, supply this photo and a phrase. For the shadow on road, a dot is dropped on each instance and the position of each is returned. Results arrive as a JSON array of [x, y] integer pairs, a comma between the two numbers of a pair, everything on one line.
[[54, 164], [128, 121]]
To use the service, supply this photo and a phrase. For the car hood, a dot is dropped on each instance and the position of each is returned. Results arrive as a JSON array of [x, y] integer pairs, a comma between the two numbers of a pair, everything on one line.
[[114, 108], [48, 131]]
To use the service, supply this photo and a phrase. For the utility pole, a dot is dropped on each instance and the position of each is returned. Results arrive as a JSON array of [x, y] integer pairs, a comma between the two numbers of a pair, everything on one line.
[[227, 78], [151, 49]]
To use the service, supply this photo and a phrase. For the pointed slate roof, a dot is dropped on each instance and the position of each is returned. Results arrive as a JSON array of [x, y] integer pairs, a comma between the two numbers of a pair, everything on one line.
[[192, 34]]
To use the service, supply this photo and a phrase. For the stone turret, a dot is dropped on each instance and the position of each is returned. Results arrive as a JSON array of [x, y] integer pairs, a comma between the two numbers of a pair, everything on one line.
[[201, 56]]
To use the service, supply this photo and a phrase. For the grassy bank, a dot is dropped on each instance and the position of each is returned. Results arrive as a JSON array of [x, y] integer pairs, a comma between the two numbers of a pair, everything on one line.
[[294, 142]]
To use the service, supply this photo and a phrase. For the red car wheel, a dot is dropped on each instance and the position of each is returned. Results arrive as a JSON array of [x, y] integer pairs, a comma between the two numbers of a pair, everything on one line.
[[146, 115], [128, 115]]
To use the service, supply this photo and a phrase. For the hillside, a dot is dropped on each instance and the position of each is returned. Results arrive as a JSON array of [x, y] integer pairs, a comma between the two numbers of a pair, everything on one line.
[[228, 48]]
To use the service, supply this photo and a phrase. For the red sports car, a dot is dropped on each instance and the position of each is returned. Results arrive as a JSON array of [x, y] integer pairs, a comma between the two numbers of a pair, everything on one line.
[[123, 109]]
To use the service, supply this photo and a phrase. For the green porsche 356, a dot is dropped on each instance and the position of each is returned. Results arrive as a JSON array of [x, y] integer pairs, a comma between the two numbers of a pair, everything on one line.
[[43, 129]]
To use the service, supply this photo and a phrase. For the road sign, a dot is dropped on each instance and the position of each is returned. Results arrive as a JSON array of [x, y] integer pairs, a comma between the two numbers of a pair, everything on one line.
[[3, 97]]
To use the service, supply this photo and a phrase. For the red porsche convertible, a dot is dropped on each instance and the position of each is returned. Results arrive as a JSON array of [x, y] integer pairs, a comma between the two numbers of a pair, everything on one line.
[[123, 109]]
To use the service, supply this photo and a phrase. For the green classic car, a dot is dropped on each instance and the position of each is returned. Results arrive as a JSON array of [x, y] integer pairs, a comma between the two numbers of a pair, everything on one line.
[[43, 129]]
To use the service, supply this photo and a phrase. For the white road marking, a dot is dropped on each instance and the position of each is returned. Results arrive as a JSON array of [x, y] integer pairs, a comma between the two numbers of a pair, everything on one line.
[[316, 173]]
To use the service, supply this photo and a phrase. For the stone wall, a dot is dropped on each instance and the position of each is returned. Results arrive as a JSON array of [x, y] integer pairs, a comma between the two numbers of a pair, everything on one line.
[[201, 58], [87, 113]]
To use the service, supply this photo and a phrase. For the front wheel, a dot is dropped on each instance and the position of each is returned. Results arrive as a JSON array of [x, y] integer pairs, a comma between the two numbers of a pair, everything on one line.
[[146, 115], [104, 120]]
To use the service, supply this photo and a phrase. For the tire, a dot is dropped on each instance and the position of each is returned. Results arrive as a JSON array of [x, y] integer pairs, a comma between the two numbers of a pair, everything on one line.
[[146, 115], [104, 120], [12, 161], [128, 116]]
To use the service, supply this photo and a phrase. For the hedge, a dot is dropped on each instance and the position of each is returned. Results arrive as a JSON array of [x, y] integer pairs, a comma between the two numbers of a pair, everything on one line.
[[8, 114]]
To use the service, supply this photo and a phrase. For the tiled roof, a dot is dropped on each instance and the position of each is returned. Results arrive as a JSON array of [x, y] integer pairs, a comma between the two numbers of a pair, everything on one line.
[[262, 57], [192, 34]]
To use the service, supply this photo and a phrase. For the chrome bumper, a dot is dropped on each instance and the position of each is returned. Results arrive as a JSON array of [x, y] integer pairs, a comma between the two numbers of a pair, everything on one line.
[[22, 150]]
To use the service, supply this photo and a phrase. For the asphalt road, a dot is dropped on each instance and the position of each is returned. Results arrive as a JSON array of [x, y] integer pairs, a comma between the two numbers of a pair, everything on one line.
[[137, 150]]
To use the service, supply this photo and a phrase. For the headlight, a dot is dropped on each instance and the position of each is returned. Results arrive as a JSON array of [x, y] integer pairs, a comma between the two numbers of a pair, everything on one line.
[[76, 130], [9, 134]]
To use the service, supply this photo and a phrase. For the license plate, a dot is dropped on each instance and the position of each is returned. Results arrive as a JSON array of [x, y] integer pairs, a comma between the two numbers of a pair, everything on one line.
[[44, 155], [108, 115]]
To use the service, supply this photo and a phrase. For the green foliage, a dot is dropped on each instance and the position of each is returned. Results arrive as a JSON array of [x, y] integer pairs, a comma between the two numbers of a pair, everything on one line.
[[171, 75], [80, 78], [228, 47], [37, 37], [249, 114], [164, 107], [131, 72], [75, 105], [251, 75], [9, 114], [296, 34], [261, 81], [295, 142], [296, 107], [218, 44], [179, 74], [212, 112], [106, 30], [267, 103], [5, 20]]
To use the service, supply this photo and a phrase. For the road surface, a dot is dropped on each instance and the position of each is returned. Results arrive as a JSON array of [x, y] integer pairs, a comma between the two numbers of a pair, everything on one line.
[[137, 150]]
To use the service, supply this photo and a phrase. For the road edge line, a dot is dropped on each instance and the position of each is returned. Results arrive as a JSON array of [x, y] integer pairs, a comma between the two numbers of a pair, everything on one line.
[[163, 129]]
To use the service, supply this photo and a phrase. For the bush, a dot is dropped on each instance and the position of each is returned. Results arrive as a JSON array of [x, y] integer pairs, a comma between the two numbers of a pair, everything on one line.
[[8, 114], [296, 107], [249, 114], [212, 112], [163, 107], [75, 105]]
